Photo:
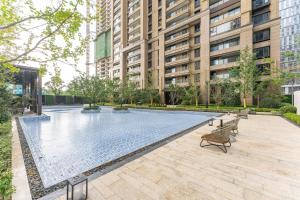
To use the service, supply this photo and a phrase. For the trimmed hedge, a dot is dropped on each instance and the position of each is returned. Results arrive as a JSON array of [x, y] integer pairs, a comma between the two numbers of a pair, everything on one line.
[[120, 108], [293, 117]]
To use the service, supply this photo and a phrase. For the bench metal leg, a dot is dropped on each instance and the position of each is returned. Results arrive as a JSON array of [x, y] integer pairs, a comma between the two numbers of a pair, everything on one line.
[[224, 149]]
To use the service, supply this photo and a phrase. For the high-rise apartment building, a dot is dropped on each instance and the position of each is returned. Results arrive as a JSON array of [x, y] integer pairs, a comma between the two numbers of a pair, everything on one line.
[[187, 42], [290, 40], [103, 39], [290, 33]]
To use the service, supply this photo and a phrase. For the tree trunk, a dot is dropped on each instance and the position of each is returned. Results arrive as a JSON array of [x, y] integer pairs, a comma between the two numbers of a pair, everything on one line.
[[258, 101], [245, 103]]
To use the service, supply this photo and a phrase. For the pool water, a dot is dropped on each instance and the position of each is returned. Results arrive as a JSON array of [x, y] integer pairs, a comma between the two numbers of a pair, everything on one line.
[[72, 142]]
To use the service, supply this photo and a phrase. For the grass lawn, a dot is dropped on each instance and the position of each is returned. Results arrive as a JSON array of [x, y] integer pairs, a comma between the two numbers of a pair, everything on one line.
[[293, 117]]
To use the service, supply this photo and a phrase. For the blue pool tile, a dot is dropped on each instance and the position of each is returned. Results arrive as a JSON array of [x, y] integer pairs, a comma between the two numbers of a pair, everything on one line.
[[72, 142]]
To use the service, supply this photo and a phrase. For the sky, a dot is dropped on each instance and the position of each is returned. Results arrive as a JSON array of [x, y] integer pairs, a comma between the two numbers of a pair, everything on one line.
[[68, 72]]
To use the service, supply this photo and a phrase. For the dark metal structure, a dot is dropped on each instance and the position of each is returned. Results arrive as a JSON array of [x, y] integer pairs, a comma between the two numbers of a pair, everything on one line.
[[29, 82]]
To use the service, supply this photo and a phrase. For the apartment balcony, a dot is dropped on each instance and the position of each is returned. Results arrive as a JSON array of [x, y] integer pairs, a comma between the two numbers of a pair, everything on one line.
[[178, 83], [178, 73], [134, 29], [178, 50], [177, 38], [134, 63], [131, 21], [131, 3], [134, 38], [175, 4], [134, 72], [225, 51], [220, 5], [222, 66], [133, 11], [183, 12], [178, 62]]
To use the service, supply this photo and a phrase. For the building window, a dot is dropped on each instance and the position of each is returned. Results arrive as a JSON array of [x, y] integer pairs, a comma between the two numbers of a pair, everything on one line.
[[197, 77], [228, 26], [197, 3], [230, 13], [197, 40], [224, 45], [262, 52], [261, 36], [197, 53], [259, 3], [261, 18], [197, 65], [224, 60], [197, 28]]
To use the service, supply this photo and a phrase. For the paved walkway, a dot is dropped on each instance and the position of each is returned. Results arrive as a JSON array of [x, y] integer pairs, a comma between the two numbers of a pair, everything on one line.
[[263, 164]]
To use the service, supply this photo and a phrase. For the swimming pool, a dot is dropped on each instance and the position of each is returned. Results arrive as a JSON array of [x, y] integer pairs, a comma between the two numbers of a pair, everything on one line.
[[72, 142]]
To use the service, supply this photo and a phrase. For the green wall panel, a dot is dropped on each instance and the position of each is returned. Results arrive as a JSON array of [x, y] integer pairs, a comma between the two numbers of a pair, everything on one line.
[[103, 45]]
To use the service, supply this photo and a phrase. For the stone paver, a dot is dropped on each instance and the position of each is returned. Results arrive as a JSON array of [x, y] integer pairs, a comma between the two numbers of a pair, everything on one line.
[[263, 164], [20, 177]]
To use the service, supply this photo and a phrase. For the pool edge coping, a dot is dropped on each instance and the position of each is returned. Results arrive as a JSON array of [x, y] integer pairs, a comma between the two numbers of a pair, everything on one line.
[[42, 192]]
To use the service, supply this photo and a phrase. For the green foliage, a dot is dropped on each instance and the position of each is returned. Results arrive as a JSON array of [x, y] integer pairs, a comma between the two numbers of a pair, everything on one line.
[[6, 188], [42, 28], [5, 101], [293, 117], [270, 102], [246, 73], [55, 85], [120, 107], [176, 93], [92, 88], [92, 107], [191, 95], [4, 117], [288, 109]]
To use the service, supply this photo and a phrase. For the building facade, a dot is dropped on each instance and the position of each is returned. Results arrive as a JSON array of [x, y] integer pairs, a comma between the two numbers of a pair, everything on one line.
[[189, 42], [103, 38], [290, 33], [290, 40]]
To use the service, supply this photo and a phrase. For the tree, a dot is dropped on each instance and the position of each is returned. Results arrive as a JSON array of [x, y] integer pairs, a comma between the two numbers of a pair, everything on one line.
[[151, 93], [111, 86], [246, 74], [216, 92], [91, 88], [175, 93], [56, 84], [192, 94], [131, 90], [40, 34]]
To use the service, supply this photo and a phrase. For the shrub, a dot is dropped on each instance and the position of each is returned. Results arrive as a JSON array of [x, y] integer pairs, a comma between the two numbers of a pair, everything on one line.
[[6, 187], [4, 116], [262, 109], [270, 102], [91, 108], [293, 117], [120, 108], [288, 109], [5, 128]]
